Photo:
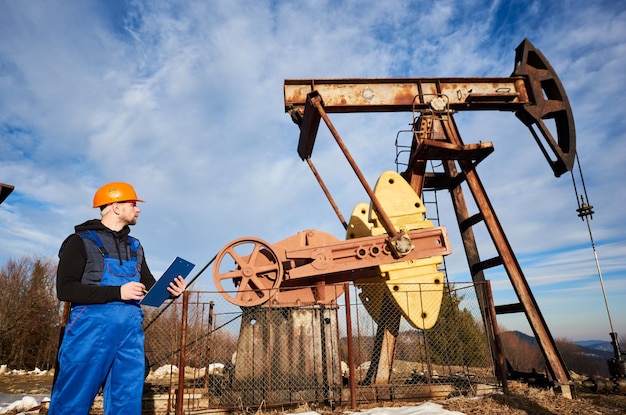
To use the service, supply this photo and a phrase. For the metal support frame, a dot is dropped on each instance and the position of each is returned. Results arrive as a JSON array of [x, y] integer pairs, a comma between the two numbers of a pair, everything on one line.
[[536, 95], [445, 129]]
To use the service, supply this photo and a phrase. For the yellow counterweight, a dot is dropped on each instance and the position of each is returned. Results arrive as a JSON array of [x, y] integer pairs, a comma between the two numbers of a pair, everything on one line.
[[416, 286]]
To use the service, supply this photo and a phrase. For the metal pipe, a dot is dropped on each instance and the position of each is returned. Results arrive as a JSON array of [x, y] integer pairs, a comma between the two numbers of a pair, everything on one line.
[[385, 221], [327, 193]]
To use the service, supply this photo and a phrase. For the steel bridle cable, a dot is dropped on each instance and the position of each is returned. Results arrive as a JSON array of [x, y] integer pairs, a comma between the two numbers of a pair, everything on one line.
[[585, 211]]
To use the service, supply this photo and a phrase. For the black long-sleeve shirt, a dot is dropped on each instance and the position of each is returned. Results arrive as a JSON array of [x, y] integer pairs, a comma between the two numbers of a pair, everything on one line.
[[72, 260]]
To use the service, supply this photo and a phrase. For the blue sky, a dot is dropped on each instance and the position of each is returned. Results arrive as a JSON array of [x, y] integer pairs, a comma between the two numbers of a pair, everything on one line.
[[185, 101]]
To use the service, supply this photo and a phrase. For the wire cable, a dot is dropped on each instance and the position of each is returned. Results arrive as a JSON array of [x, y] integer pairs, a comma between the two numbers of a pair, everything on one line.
[[585, 212]]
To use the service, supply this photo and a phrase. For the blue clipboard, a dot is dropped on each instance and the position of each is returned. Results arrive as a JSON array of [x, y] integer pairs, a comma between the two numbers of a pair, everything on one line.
[[158, 293]]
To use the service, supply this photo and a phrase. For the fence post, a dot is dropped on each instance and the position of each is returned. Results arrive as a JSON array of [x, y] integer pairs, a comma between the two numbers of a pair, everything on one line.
[[346, 290], [497, 346], [180, 393]]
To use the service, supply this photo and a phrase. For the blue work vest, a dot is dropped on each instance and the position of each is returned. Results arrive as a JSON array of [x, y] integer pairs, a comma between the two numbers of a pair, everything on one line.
[[104, 267]]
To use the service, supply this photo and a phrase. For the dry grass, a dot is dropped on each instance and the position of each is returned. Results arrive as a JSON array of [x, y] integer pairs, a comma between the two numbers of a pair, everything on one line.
[[521, 400]]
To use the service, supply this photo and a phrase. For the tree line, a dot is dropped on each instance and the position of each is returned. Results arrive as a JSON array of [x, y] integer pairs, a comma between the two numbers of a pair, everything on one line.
[[31, 319], [524, 355], [30, 313]]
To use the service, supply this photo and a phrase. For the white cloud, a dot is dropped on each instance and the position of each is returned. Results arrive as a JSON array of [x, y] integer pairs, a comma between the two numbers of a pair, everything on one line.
[[185, 101]]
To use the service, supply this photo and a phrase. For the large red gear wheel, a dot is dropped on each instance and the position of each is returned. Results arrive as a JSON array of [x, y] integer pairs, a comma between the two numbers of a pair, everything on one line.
[[257, 274]]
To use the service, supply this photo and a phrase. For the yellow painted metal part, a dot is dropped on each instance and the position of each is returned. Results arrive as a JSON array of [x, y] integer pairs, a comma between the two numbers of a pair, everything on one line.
[[371, 294], [416, 286]]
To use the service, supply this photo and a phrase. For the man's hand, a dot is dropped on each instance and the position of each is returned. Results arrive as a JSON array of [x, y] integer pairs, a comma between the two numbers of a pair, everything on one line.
[[177, 286], [132, 291]]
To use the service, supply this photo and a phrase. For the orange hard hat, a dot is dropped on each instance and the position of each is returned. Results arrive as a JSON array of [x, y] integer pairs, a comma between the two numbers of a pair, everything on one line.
[[114, 192]]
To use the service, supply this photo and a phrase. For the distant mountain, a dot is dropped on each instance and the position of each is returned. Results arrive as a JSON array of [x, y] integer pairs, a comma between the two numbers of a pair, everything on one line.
[[597, 348], [587, 358], [596, 344], [523, 336]]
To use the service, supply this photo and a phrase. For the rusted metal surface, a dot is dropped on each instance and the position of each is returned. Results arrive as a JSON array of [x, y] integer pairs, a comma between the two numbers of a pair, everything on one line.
[[491, 325], [5, 191], [285, 354], [257, 274], [534, 92], [309, 257], [395, 240], [550, 103], [350, 341], [604, 385], [361, 253], [407, 94], [556, 365], [536, 95], [441, 150], [327, 193], [446, 137], [319, 291]]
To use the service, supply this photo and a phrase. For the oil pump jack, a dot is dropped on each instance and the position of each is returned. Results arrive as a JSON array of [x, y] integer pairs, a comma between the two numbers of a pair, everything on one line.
[[388, 239]]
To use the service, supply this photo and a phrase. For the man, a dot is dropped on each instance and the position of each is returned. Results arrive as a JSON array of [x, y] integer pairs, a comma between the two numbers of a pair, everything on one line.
[[103, 273]]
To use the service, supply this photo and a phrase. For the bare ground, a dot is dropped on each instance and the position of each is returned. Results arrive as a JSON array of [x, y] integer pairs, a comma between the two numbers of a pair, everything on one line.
[[34, 384], [521, 399]]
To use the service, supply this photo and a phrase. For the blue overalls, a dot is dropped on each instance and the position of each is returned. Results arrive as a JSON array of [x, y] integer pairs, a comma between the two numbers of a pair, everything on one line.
[[103, 345]]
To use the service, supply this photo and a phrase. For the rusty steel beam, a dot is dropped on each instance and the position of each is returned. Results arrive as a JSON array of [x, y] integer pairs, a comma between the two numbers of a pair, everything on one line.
[[408, 94], [445, 145], [493, 333], [555, 362], [533, 91]]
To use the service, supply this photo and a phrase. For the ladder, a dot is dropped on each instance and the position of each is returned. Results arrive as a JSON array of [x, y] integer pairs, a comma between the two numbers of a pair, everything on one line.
[[439, 139]]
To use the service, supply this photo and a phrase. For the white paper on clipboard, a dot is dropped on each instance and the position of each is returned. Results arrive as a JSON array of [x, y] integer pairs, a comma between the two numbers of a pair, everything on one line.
[[158, 293]]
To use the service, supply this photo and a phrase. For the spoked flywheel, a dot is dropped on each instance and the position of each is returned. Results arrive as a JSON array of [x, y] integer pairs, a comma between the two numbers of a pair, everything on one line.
[[256, 276]]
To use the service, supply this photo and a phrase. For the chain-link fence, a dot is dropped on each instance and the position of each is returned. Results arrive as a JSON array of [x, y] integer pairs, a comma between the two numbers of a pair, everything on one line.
[[408, 343]]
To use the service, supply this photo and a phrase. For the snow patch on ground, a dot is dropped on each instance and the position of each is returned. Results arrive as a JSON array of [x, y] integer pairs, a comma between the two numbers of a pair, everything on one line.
[[428, 408], [27, 403], [4, 370], [190, 372]]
